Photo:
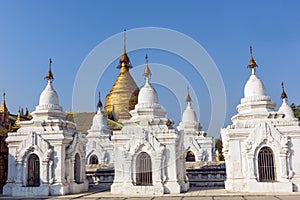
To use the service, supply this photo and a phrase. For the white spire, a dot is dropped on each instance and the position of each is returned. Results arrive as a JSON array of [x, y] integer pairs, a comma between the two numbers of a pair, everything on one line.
[[285, 108], [147, 94]]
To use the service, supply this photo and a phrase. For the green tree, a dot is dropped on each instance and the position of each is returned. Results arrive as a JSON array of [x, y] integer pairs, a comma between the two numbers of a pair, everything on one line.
[[296, 109]]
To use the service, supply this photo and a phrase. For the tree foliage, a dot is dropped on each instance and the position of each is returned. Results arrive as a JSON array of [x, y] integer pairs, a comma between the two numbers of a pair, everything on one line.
[[296, 109], [219, 147]]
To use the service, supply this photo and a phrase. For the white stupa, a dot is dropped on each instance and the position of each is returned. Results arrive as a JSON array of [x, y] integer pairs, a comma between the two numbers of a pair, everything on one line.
[[198, 146], [47, 154], [99, 147], [261, 147], [149, 152]]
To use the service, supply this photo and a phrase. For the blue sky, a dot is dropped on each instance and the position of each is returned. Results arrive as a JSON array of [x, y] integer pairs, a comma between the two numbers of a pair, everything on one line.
[[33, 31]]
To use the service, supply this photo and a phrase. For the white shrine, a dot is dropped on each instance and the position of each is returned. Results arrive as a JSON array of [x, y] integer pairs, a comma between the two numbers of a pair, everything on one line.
[[149, 152], [99, 148], [47, 154], [199, 147], [262, 146]]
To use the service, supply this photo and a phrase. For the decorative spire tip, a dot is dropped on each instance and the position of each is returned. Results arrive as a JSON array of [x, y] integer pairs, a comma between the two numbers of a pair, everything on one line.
[[188, 98], [147, 72], [283, 94], [99, 104], [49, 75], [124, 41], [252, 64]]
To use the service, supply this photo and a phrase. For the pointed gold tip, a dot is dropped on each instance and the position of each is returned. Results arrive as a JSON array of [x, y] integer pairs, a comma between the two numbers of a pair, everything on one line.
[[252, 64], [188, 98], [147, 71], [124, 59], [283, 94], [49, 75]]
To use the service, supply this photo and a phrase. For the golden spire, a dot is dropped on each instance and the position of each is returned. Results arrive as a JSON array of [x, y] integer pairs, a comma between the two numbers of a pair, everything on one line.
[[283, 94], [17, 122], [188, 98], [147, 72], [49, 75], [123, 95], [99, 104], [252, 64], [124, 63], [3, 107]]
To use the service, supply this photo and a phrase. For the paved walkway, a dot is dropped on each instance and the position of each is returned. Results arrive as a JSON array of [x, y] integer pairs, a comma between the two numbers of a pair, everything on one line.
[[192, 194]]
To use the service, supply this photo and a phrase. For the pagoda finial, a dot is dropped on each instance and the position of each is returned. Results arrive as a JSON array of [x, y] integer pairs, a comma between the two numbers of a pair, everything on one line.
[[49, 75], [3, 107], [99, 104], [124, 50], [188, 98], [147, 72], [252, 64], [283, 94], [124, 63]]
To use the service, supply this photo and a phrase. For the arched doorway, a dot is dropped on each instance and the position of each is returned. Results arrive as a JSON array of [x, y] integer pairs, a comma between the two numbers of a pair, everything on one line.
[[77, 169], [94, 160], [266, 168], [143, 169], [190, 157], [33, 171]]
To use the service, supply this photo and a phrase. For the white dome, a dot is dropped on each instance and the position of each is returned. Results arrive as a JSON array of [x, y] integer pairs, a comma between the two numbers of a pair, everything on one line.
[[254, 87], [99, 121], [189, 115], [148, 95], [286, 110], [49, 96]]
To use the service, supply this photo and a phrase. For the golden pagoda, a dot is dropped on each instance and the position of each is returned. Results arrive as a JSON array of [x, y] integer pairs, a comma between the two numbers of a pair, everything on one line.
[[124, 93]]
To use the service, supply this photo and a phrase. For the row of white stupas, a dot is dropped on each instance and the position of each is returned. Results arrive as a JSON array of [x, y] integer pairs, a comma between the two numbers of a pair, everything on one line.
[[47, 156], [262, 146]]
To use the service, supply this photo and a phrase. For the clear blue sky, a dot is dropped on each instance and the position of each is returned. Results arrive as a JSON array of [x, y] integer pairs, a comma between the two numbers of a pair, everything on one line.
[[67, 31]]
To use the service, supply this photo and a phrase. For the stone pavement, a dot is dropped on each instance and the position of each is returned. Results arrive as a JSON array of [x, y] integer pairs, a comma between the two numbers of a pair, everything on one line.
[[192, 194]]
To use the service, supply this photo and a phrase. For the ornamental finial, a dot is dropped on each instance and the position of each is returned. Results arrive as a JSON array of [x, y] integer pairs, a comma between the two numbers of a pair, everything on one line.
[[188, 98], [283, 94], [124, 40], [49, 75], [99, 104], [147, 72], [252, 64]]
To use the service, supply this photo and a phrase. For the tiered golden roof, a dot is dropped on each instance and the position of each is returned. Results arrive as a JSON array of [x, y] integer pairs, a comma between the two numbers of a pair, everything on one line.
[[123, 95]]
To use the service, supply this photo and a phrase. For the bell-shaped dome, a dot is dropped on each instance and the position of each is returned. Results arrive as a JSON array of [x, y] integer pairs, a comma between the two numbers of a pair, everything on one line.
[[49, 95], [148, 95], [286, 110], [99, 121], [189, 115], [254, 87]]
